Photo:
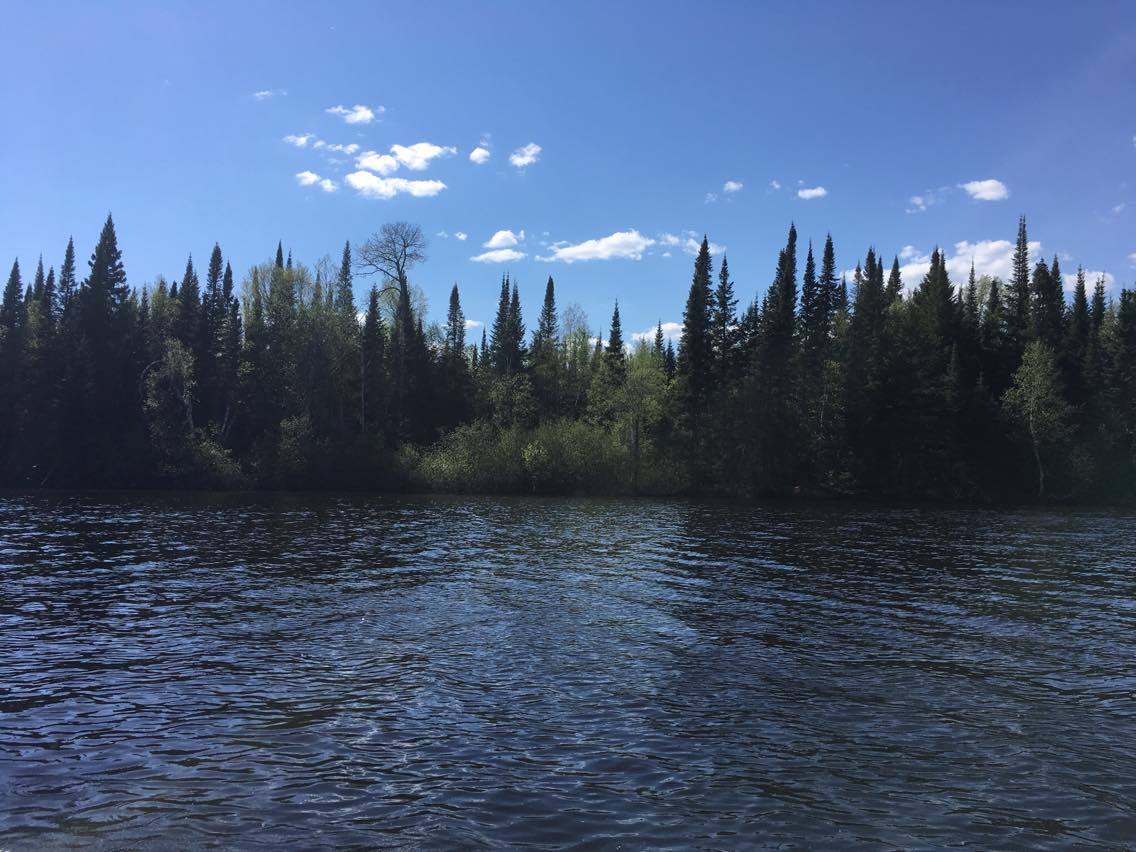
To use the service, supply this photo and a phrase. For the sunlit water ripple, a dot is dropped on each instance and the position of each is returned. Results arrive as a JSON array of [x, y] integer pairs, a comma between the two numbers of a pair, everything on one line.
[[251, 671]]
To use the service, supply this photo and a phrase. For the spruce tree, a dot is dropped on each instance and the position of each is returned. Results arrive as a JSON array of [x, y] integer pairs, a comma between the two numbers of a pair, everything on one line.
[[345, 285], [695, 352], [500, 344], [893, 292], [615, 357], [723, 323], [1047, 305], [1017, 298]]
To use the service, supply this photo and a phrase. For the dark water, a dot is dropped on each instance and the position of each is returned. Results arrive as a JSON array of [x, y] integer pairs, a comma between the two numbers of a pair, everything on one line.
[[245, 672]]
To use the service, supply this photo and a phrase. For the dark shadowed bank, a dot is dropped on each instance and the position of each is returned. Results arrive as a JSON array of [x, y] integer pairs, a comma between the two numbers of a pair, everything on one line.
[[990, 391]]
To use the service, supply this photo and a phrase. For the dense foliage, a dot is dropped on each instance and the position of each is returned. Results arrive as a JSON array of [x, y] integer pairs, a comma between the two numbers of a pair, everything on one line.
[[989, 390]]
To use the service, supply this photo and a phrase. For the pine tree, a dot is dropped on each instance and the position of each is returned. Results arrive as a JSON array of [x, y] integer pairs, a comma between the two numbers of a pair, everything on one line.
[[615, 357], [516, 330], [1017, 298], [773, 385], [187, 327], [280, 255], [345, 285], [723, 323], [1047, 305], [1076, 347], [695, 352], [372, 367], [67, 280], [500, 342], [893, 292], [546, 360]]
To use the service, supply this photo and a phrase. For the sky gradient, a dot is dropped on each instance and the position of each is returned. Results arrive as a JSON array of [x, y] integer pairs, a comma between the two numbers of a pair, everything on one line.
[[610, 135]]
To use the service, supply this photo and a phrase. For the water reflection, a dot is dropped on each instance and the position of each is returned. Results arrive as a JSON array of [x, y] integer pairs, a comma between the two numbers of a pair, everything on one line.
[[183, 670]]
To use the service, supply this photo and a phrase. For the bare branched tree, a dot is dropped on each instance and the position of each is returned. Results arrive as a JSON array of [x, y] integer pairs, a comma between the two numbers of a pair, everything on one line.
[[392, 252]]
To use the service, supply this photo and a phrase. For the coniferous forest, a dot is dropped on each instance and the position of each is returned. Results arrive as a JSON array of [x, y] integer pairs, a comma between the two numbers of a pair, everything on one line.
[[983, 389]]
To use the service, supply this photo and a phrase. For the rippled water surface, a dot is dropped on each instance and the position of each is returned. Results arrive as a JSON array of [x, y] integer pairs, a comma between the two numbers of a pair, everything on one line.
[[248, 671]]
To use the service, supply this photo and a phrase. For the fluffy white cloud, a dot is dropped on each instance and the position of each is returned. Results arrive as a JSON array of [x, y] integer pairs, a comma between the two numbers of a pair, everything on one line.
[[417, 157], [986, 190], [1069, 280], [689, 243], [498, 256], [473, 324], [461, 235], [299, 140], [371, 186], [808, 193], [358, 114], [526, 155], [622, 244], [328, 185], [732, 186], [504, 239], [775, 184], [265, 94], [373, 161], [341, 149], [479, 155], [671, 331], [306, 178]]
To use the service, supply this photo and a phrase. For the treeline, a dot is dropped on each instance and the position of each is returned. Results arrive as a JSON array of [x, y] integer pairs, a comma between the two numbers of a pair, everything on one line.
[[992, 390]]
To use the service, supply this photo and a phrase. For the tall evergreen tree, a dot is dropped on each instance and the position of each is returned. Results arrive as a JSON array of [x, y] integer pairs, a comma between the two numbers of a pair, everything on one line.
[[1017, 297], [723, 329], [696, 346]]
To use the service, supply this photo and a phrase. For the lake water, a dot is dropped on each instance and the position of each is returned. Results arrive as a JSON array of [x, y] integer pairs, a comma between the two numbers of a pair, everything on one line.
[[250, 671]]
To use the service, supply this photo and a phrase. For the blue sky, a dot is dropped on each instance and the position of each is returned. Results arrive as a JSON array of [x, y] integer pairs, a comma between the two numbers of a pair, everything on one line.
[[922, 126]]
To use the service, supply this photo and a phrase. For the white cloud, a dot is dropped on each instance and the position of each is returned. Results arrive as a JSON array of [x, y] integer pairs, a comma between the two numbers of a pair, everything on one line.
[[710, 198], [306, 178], [417, 157], [622, 244], [526, 155], [357, 114], [775, 184], [265, 94], [671, 330], [370, 186], [689, 243], [732, 186], [473, 324], [342, 149], [808, 193], [1119, 208], [504, 239], [382, 164], [986, 190], [479, 155], [299, 140], [918, 204], [1069, 280], [498, 256], [328, 185], [460, 235], [442, 234], [1132, 259]]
